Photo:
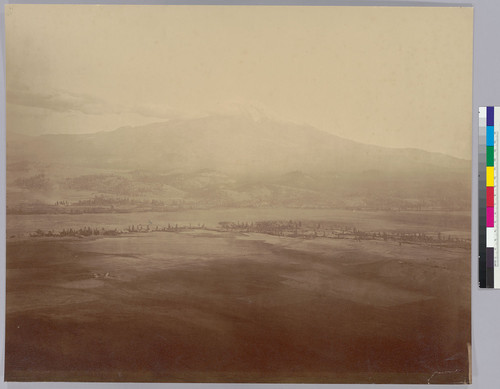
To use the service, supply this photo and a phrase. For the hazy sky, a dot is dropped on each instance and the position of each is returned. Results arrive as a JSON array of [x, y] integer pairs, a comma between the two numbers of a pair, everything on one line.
[[399, 77]]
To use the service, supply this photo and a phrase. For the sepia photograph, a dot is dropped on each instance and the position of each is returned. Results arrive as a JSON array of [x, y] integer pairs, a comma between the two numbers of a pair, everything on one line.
[[238, 194]]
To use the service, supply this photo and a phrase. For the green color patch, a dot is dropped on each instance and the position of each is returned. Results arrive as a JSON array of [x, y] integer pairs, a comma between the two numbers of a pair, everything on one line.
[[490, 156]]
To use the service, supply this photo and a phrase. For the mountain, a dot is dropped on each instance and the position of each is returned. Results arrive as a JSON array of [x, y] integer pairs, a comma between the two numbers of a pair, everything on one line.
[[233, 160], [235, 144]]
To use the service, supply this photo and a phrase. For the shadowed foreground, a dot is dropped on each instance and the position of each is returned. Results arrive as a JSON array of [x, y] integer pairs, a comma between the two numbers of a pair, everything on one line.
[[230, 307]]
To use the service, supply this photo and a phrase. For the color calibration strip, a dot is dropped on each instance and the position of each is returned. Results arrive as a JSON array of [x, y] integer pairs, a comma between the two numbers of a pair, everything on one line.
[[489, 267]]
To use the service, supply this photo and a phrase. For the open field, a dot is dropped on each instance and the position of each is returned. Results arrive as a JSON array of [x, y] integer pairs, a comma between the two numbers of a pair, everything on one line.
[[208, 306]]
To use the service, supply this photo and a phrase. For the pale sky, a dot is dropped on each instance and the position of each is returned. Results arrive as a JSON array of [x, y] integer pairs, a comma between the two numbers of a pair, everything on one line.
[[391, 76]]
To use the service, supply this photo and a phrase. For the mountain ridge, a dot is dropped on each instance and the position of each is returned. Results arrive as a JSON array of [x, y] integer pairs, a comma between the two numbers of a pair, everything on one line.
[[228, 143]]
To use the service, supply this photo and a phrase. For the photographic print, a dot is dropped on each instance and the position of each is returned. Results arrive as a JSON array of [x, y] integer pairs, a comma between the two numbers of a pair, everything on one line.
[[267, 194]]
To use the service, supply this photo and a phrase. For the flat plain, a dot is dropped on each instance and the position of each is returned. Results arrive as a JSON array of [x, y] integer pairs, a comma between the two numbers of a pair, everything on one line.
[[213, 305]]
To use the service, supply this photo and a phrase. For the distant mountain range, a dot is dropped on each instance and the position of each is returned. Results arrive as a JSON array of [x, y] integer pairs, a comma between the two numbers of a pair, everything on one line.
[[236, 160]]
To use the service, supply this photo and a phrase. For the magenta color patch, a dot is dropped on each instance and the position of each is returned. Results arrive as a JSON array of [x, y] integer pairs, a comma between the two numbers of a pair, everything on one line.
[[490, 217]]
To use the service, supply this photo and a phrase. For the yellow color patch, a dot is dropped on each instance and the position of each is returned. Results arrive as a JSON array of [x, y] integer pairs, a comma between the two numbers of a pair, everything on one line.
[[490, 177]]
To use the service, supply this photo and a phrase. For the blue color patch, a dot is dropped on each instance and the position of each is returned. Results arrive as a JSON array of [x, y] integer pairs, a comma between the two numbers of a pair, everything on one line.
[[490, 136], [490, 116]]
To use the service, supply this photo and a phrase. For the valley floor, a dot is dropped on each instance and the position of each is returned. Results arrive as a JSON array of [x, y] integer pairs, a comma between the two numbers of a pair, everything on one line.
[[212, 306]]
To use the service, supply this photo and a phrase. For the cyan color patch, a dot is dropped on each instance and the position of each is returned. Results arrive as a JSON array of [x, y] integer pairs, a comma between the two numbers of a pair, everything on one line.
[[490, 136]]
